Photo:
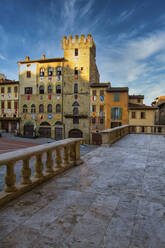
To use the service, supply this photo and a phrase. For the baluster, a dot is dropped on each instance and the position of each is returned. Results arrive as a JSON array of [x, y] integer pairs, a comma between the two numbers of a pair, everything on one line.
[[10, 177], [26, 172], [72, 153], [49, 162], [66, 155], [38, 166], [58, 158]]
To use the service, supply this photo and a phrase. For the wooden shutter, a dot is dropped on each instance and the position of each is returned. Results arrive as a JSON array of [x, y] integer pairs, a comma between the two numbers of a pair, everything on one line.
[[112, 114]]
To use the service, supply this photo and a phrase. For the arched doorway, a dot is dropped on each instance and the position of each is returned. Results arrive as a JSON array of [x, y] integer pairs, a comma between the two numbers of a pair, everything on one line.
[[29, 129], [45, 130], [75, 133], [58, 130]]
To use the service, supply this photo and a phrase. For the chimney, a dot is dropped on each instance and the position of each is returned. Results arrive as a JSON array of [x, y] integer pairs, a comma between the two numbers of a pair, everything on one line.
[[43, 56], [27, 58]]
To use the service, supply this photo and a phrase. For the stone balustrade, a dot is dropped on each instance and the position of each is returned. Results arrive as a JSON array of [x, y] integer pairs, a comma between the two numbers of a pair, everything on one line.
[[60, 156], [112, 135]]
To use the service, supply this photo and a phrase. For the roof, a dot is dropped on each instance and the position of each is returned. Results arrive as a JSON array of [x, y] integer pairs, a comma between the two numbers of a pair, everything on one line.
[[136, 96], [42, 60], [7, 81], [140, 106], [118, 89], [100, 85]]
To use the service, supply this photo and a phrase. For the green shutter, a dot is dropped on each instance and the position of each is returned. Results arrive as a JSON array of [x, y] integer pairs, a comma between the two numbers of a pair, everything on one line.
[[120, 113], [112, 113], [116, 97]]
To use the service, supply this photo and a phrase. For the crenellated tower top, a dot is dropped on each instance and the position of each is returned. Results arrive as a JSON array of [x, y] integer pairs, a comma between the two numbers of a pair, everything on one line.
[[77, 42]]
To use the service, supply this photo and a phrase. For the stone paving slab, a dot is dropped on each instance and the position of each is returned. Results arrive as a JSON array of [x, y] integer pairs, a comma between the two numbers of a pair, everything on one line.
[[116, 199]]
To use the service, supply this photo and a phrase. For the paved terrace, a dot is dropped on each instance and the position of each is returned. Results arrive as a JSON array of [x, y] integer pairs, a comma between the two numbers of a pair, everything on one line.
[[116, 199]]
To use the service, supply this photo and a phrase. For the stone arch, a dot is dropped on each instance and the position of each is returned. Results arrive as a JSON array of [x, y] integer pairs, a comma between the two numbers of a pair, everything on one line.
[[75, 133]]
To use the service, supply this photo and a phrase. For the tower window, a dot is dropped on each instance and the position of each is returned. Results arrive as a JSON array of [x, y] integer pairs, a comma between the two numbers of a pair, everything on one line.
[[58, 71], [49, 108], [75, 88], [28, 74], [58, 108], [76, 73], [33, 108], [41, 108], [50, 89], [75, 111], [25, 108], [76, 51]]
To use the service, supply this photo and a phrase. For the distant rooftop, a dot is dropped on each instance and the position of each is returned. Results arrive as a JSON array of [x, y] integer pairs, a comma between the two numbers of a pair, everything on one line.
[[136, 96], [100, 85], [140, 106], [43, 60], [118, 89]]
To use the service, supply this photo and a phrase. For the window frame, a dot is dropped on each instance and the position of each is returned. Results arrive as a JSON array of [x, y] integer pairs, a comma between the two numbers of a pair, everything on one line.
[[28, 90]]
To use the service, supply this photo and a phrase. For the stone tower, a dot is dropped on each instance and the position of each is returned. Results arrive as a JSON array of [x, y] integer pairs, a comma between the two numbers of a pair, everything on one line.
[[80, 71]]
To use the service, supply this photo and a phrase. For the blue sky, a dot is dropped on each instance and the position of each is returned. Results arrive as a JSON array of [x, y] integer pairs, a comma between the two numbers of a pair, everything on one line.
[[129, 37]]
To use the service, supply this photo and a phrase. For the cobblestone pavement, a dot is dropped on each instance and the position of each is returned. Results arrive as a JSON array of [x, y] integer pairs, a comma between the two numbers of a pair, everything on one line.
[[116, 199]]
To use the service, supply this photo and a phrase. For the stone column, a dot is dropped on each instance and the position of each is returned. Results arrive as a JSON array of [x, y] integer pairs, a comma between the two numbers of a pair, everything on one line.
[[10, 177], [38, 166], [49, 162], [26, 172]]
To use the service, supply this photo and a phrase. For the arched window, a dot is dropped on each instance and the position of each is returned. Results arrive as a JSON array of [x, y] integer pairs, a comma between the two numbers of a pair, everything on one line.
[[50, 89], [75, 111], [58, 89], [41, 72], [33, 108], [58, 71], [75, 88], [25, 108], [41, 108], [41, 89], [50, 71], [58, 108], [49, 108]]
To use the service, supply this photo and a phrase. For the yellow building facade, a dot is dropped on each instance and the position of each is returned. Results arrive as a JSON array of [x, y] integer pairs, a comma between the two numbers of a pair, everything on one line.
[[55, 94], [9, 107], [139, 113]]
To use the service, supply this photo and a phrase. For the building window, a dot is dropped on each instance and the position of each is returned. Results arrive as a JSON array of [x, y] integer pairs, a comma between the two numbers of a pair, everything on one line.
[[28, 90], [2, 105], [58, 71], [50, 89], [58, 89], [101, 108], [9, 90], [93, 120], [101, 92], [75, 111], [50, 71], [41, 108], [75, 120], [101, 120], [15, 105], [142, 115], [15, 89], [2, 90], [116, 97], [28, 75], [41, 89], [41, 72], [116, 113], [75, 88], [33, 108], [9, 105], [93, 108], [138, 100], [25, 108], [93, 92], [76, 73], [133, 115], [58, 108], [49, 108], [76, 52]]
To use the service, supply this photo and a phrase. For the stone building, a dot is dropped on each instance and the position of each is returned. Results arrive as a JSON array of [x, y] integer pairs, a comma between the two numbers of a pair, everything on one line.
[[55, 93], [159, 102], [9, 95], [139, 113]]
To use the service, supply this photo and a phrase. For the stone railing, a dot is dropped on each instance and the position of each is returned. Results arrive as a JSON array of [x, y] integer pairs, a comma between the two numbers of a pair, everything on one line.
[[60, 156], [112, 135]]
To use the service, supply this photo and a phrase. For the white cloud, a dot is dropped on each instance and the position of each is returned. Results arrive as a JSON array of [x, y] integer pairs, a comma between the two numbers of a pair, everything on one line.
[[2, 57]]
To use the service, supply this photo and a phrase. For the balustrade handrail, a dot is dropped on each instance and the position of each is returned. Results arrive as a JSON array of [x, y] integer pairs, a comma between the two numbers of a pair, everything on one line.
[[30, 151], [114, 129]]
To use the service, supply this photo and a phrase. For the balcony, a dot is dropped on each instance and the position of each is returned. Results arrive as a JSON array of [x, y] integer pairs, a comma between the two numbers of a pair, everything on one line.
[[114, 199]]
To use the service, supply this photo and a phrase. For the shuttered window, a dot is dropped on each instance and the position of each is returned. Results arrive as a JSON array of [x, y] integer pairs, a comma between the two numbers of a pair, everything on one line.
[[116, 113], [116, 97]]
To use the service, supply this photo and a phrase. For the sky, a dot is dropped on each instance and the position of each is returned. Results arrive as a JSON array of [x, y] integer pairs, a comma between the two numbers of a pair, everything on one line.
[[129, 37]]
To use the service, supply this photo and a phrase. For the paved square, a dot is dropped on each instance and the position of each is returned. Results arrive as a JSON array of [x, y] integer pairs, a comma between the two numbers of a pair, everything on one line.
[[116, 199]]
